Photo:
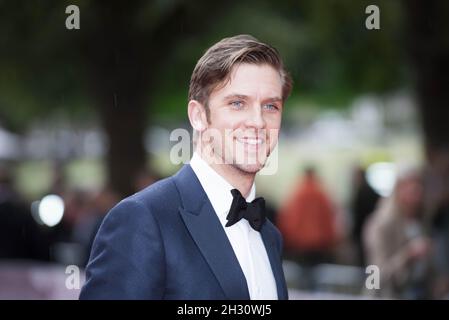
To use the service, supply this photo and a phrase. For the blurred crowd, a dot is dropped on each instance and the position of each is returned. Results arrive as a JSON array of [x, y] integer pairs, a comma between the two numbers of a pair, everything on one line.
[[408, 244], [24, 236]]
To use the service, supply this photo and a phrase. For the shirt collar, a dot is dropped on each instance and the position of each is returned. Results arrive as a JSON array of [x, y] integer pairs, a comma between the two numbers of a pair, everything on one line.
[[217, 189]]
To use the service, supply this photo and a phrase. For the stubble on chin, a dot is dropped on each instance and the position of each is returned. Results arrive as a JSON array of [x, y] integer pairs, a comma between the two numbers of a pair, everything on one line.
[[251, 168], [248, 169]]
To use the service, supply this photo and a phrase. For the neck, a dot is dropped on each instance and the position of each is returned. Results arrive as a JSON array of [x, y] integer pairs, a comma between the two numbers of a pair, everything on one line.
[[242, 181]]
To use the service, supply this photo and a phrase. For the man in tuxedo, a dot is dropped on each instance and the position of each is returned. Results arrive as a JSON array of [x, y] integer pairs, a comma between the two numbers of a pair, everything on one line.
[[201, 234]]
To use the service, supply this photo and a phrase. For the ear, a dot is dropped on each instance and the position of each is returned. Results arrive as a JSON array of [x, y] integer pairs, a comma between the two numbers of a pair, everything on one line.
[[197, 115]]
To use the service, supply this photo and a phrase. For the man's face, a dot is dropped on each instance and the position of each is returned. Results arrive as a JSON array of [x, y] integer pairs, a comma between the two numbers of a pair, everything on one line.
[[245, 117]]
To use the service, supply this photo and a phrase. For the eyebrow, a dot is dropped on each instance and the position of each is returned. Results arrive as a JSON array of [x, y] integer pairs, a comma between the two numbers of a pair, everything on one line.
[[274, 99], [245, 97], [235, 95]]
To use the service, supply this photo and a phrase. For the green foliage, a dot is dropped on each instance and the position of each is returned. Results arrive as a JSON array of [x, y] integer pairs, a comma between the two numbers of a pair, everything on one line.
[[331, 55]]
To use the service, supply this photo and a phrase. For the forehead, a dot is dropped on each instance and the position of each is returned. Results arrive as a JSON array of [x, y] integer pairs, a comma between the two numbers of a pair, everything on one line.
[[251, 80]]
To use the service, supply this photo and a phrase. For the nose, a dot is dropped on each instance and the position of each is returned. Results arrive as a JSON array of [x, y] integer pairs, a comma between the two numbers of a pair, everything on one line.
[[255, 118]]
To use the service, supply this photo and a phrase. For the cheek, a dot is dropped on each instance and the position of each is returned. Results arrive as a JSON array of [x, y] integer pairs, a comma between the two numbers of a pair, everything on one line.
[[273, 125], [273, 120], [273, 136], [225, 119]]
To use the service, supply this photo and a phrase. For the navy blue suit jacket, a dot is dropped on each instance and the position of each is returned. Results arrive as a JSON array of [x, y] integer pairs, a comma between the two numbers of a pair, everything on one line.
[[166, 242]]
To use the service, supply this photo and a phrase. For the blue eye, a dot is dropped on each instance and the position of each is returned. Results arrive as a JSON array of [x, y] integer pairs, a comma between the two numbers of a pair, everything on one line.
[[237, 104], [271, 107]]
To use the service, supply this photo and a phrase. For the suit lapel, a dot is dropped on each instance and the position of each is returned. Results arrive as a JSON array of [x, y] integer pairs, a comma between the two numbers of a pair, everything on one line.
[[208, 234], [274, 256]]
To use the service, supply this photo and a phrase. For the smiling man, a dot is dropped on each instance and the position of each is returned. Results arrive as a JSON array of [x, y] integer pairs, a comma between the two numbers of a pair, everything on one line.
[[202, 234]]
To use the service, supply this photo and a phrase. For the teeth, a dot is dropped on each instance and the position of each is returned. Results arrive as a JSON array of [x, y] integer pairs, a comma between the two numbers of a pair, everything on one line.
[[251, 141]]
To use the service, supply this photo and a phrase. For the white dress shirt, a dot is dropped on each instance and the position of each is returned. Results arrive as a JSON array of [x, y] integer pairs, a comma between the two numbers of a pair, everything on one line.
[[246, 242]]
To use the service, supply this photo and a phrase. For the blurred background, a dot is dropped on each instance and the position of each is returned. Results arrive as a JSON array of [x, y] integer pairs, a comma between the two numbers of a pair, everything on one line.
[[363, 176]]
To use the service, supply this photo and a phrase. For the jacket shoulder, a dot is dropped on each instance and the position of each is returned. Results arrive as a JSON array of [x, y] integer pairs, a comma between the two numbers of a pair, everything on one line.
[[161, 196]]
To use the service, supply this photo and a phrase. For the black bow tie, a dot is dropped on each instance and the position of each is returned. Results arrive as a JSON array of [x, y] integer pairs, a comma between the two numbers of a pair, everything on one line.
[[253, 211]]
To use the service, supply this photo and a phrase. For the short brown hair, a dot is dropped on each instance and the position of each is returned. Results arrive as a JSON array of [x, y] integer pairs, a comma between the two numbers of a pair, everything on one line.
[[215, 66]]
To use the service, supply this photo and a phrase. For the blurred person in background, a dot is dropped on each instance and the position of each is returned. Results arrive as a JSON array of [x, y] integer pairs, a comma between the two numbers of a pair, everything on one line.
[[76, 206], [63, 249], [20, 236], [308, 222], [396, 242], [363, 203]]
